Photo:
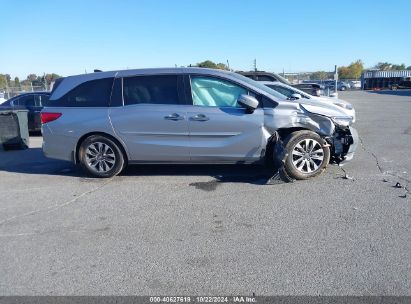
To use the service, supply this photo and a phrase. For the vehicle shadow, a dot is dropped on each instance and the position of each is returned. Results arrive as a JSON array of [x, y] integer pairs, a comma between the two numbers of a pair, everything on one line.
[[403, 92], [250, 174], [32, 161]]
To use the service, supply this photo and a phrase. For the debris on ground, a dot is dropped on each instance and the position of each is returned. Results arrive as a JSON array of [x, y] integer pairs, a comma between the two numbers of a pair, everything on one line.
[[279, 177], [398, 185], [346, 176]]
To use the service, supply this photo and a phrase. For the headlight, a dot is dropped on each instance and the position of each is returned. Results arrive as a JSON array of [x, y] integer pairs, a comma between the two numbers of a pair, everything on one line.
[[343, 121], [344, 105]]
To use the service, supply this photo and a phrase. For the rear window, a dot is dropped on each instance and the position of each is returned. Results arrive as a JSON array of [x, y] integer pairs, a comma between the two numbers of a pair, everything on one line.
[[94, 93], [266, 78]]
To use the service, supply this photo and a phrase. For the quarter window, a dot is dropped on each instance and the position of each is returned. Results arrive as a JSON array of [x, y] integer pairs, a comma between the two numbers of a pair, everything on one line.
[[159, 89], [214, 92], [94, 93]]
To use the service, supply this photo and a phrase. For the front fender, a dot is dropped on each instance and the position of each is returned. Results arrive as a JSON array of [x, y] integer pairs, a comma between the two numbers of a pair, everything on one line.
[[291, 115]]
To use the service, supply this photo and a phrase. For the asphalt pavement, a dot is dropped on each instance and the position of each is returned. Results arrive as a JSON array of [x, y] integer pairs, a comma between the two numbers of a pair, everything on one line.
[[214, 230]]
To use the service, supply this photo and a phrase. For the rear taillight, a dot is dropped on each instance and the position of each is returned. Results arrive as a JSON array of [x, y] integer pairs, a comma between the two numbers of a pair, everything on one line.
[[48, 116]]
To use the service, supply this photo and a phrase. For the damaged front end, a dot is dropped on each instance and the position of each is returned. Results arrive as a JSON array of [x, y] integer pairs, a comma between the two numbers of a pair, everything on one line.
[[342, 138], [343, 143], [326, 120]]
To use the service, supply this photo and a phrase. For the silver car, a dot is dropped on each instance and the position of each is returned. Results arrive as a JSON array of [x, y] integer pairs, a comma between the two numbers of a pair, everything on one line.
[[107, 120], [294, 93]]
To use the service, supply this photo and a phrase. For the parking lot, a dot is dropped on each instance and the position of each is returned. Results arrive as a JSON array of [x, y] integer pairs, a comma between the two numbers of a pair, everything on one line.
[[214, 230]]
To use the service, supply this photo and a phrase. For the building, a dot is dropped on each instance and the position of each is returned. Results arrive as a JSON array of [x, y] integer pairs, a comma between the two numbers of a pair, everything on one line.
[[371, 80]]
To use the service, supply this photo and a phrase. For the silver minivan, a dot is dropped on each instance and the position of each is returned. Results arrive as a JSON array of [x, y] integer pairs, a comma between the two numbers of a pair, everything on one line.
[[107, 120]]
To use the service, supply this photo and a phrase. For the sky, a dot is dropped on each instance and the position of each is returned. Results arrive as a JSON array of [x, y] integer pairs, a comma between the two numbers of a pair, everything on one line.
[[71, 37]]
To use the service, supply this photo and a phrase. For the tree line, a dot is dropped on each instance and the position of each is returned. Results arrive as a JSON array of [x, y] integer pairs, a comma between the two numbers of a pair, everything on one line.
[[352, 71], [32, 80], [355, 69]]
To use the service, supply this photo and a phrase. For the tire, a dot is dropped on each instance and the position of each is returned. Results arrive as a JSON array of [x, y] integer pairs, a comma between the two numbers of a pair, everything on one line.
[[300, 163], [101, 157], [343, 88]]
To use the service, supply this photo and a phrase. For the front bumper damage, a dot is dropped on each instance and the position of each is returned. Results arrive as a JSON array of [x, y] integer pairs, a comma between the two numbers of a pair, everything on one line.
[[344, 143]]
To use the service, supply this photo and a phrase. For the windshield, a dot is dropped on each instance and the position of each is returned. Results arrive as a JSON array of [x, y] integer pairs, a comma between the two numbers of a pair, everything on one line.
[[290, 89], [260, 86]]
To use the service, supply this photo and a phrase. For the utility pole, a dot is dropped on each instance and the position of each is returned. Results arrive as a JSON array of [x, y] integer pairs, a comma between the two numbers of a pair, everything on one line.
[[7, 87], [255, 65], [45, 80], [335, 78]]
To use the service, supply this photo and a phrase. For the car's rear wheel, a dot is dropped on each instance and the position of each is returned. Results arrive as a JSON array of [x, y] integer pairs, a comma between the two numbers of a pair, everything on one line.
[[100, 156], [308, 154]]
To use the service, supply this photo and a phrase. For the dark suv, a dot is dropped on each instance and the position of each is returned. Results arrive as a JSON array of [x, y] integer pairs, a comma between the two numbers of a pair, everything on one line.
[[33, 102], [264, 76], [314, 89]]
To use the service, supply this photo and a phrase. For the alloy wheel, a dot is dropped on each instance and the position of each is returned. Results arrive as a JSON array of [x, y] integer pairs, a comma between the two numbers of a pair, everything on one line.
[[100, 157], [307, 155]]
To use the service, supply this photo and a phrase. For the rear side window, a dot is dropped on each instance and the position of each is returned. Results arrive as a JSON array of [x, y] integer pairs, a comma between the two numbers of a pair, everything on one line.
[[27, 101], [94, 93], [158, 89], [41, 100], [44, 100]]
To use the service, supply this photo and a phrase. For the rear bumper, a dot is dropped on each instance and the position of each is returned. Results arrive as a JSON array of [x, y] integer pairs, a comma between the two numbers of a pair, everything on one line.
[[57, 146]]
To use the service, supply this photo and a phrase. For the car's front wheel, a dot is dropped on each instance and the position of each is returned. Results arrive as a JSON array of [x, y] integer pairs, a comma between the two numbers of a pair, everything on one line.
[[308, 154], [100, 156]]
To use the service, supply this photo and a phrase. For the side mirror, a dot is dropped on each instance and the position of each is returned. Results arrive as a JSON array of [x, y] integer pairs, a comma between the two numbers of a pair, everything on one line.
[[296, 96], [248, 102]]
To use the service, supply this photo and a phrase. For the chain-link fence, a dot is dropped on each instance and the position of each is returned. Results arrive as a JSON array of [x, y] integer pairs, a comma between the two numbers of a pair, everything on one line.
[[10, 92]]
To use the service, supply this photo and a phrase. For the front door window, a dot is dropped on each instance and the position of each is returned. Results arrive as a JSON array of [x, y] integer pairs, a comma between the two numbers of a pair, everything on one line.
[[214, 92]]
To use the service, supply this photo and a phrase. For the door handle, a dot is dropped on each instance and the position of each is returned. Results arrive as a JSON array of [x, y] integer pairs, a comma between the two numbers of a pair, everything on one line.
[[174, 117], [199, 117]]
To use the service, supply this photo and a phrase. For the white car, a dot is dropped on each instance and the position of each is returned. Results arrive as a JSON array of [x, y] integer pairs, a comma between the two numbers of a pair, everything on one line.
[[2, 99], [355, 84], [294, 93]]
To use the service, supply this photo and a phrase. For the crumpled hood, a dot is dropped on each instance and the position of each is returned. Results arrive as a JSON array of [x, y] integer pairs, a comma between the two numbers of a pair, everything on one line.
[[322, 108], [331, 99]]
